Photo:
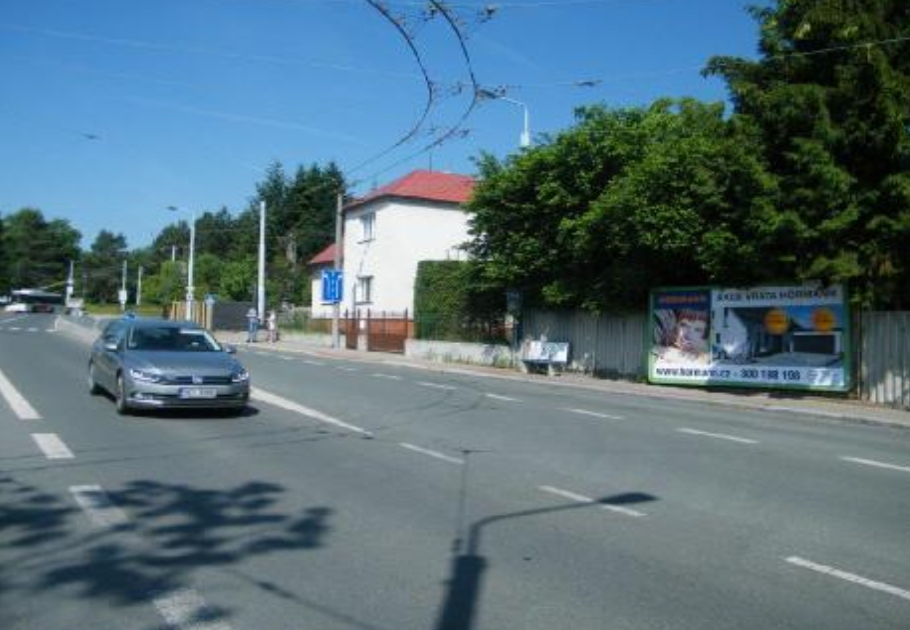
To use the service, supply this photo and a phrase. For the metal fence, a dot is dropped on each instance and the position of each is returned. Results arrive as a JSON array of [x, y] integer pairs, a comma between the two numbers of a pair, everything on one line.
[[884, 358], [605, 345], [611, 345]]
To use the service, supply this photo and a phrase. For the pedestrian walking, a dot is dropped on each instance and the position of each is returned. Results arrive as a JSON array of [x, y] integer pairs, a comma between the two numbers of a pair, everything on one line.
[[252, 324], [272, 324]]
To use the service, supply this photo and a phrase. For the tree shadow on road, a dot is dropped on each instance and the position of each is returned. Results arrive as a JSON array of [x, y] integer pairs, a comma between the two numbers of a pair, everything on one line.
[[172, 531]]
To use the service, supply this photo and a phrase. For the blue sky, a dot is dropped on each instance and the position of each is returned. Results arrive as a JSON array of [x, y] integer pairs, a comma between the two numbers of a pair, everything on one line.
[[112, 110]]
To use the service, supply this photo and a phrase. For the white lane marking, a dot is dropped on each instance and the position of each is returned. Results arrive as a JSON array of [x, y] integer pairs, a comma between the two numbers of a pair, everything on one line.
[[15, 319], [719, 436], [50, 330], [585, 412], [33, 329], [16, 401], [310, 362], [498, 397], [290, 405], [348, 369], [436, 385], [185, 609], [872, 462], [436, 454], [98, 506], [52, 446], [15, 328], [285, 358], [566, 494], [391, 377], [849, 577]]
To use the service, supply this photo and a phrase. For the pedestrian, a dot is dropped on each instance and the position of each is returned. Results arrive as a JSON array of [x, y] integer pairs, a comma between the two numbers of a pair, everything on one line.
[[252, 324], [272, 324]]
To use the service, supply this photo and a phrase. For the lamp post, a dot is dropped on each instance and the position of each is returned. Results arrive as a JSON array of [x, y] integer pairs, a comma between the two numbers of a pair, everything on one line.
[[189, 275], [525, 139]]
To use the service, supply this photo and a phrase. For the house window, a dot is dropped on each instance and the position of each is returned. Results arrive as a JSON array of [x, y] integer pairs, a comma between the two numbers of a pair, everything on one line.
[[368, 227], [364, 289]]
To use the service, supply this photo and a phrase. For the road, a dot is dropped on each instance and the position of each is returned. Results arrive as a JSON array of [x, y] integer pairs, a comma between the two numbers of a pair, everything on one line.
[[359, 496]]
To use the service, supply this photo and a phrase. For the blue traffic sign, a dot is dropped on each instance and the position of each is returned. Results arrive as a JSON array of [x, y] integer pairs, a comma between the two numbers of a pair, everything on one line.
[[332, 286]]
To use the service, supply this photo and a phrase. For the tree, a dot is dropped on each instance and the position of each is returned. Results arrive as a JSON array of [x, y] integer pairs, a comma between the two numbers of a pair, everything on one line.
[[626, 200], [37, 252], [830, 97], [104, 264]]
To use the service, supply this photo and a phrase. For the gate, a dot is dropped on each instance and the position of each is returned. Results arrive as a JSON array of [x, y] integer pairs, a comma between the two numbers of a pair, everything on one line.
[[388, 331]]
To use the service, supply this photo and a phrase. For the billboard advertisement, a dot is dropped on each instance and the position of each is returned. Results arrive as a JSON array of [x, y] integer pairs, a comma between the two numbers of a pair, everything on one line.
[[789, 337]]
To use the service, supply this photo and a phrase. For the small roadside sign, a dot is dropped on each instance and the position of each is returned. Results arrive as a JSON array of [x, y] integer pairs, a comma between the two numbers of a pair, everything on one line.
[[332, 286]]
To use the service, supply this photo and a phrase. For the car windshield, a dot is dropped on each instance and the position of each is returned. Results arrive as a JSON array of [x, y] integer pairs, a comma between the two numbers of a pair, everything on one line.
[[170, 339]]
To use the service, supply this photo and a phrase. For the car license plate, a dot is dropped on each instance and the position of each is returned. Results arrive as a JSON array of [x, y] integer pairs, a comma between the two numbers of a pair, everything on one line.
[[198, 392]]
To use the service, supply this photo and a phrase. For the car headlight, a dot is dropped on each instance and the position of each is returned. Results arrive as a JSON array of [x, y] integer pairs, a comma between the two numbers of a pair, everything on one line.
[[240, 376], [145, 377]]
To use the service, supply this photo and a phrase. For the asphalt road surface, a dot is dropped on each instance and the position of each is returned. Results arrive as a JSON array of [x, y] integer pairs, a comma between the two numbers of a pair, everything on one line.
[[357, 496]]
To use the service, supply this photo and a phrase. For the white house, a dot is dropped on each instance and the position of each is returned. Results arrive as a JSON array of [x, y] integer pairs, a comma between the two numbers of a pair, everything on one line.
[[391, 229]]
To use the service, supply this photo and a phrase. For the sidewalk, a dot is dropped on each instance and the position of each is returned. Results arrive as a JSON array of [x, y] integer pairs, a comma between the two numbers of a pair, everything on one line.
[[778, 401]]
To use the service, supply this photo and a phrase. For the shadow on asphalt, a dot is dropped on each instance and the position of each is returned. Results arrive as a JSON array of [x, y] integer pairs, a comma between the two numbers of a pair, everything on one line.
[[173, 531], [464, 586]]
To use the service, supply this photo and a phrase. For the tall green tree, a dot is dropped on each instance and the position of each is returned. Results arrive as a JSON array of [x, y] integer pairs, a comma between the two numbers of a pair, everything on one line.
[[104, 266], [38, 251], [830, 97], [625, 200]]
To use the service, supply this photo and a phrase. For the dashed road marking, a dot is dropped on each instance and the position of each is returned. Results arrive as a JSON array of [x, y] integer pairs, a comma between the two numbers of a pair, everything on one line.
[[498, 397], [52, 446], [348, 369], [849, 577], [16, 401], [719, 436], [430, 453], [596, 414], [436, 385], [185, 609], [311, 362], [98, 506], [290, 405], [872, 462], [391, 377], [566, 494]]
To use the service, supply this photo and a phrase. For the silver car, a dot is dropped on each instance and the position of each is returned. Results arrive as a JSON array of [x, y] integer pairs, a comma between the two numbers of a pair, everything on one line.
[[156, 363]]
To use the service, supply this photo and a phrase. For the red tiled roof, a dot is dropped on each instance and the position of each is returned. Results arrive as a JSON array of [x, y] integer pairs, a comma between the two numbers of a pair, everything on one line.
[[325, 256], [426, 185]]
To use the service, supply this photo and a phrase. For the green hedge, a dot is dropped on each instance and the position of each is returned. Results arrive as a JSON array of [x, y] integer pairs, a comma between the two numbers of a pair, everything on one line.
[[451, 305]]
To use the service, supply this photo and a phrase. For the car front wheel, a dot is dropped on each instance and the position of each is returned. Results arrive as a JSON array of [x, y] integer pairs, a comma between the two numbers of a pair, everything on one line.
[[93, 388], [120, 397]]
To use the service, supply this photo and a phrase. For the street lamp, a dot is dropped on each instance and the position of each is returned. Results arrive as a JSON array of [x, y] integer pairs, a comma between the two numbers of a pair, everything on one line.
[[525, 140], [189, 276]]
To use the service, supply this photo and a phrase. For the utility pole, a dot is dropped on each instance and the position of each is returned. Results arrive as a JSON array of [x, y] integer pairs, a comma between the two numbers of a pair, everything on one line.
[[122, 295], [261, 291], [336, 264], [139, 287], [70, 283]]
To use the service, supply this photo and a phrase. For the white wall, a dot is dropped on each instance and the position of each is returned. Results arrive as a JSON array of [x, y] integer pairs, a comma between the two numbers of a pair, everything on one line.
[[405, 234]]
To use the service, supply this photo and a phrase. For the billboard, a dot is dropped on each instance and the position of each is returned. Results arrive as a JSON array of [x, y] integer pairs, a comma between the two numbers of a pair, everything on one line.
[[790, 337]]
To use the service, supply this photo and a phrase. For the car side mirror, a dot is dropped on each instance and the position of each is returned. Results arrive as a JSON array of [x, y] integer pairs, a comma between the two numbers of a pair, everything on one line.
[[111, 346], [230, 349]]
